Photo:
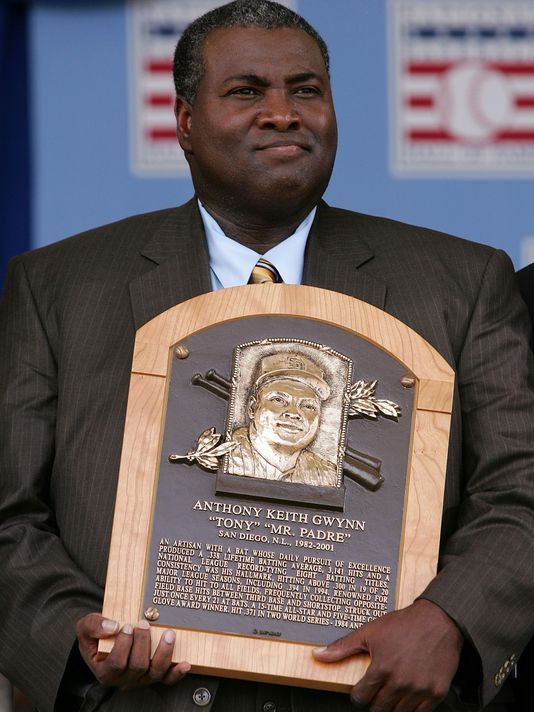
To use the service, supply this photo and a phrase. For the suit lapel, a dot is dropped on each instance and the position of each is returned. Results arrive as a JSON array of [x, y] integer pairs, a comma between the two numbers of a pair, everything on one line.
[[337, 256], [179, 252]]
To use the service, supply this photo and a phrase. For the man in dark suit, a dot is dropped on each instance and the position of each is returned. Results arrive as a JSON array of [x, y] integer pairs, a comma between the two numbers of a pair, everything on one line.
[[256, 122]]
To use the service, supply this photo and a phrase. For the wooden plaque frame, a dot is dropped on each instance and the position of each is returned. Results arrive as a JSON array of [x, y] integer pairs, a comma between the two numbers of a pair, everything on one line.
[[236, 655]]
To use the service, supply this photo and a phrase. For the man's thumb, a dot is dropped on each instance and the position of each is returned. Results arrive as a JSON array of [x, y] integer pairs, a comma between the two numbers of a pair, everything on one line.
[[95, 626], [341, 648]]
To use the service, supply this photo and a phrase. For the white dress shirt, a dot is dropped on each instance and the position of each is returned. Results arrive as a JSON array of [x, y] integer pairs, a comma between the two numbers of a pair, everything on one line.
[[231, 263]]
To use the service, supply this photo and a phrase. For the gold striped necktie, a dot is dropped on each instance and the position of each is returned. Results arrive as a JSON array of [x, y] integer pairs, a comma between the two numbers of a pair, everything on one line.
[[263, 272]]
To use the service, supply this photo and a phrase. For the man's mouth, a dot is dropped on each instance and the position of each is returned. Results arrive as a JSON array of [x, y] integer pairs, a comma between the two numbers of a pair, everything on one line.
[[284, 148], [289, 427]]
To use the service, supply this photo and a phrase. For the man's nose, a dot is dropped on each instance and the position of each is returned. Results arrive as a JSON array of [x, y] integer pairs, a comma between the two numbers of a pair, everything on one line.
[[278, 112], [293, 412]]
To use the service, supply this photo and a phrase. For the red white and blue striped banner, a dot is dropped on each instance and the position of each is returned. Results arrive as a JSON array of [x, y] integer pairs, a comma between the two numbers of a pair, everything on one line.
[[154, 29], [462, 87]]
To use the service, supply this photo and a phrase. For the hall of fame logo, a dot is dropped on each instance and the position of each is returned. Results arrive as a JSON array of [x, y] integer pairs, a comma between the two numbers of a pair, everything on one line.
[[154, 28], [462, 87]]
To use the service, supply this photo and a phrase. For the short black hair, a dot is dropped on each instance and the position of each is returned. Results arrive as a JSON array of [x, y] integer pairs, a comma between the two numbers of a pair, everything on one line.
[[188, 62]]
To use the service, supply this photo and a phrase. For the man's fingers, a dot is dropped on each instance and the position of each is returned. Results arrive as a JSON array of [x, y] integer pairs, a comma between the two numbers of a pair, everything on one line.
[[128, 664], [341, 648], [111, 670], [412, 705], [93, 625], [381, 699], [161, 663], [414, 654], [139, 659], [89, 630], [162, 669], [367, 688], [176, 673], [383, 691]]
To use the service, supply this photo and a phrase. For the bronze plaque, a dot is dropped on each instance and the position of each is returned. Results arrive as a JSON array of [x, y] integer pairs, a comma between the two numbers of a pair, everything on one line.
[[280, 492]]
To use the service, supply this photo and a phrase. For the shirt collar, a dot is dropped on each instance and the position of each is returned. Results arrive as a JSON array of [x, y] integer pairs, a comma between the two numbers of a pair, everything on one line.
[[231, 262]]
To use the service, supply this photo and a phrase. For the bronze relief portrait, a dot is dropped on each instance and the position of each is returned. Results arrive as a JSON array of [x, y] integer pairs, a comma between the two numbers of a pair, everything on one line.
[[288, 412]]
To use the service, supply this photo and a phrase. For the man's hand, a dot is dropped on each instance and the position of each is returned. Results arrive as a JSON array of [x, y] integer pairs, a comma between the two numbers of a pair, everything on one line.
[[128, 665], [414, 654]]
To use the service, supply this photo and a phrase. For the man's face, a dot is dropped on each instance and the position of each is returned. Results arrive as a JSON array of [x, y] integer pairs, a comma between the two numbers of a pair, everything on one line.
[[262, 131], [287, 414]]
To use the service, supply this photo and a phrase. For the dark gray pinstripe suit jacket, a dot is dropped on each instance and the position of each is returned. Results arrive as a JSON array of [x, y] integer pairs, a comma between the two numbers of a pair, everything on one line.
[[68, 321]]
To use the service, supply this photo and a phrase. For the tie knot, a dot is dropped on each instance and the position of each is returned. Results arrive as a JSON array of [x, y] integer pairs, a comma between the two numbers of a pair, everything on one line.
[[264, 271]]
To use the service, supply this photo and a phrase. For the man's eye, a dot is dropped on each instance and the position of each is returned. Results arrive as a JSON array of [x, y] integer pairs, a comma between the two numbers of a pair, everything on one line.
[[309, 406], [310, 90], [244, 91], [278, 400]]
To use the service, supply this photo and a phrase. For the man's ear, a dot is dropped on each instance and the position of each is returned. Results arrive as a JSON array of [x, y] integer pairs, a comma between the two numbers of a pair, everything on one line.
[[251, 407], [183, 112]]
